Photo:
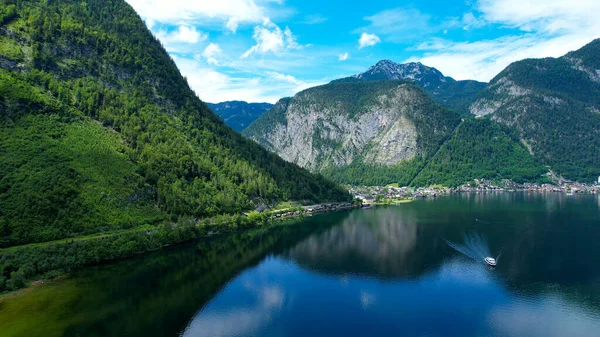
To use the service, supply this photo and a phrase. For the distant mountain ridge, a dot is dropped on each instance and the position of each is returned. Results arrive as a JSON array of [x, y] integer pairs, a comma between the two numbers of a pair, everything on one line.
[[453, 94], [388, 70], [239, 114]]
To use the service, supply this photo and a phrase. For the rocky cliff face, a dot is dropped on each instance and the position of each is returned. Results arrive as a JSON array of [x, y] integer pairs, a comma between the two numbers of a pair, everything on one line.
[[505, 90], [381, 123]]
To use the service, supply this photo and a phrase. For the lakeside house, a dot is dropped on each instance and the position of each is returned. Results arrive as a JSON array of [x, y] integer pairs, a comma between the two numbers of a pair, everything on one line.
[[367, 194], [326, 207]]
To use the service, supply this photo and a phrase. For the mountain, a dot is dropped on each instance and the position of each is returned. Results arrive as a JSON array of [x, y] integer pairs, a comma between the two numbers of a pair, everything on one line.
[[390, 131], [238, 114], [456, 95], [480, 148], [553, 104], [380, 124], [99, 131]]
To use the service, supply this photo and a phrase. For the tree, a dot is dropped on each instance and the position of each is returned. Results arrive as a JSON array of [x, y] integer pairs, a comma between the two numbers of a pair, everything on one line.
[[16, 280]]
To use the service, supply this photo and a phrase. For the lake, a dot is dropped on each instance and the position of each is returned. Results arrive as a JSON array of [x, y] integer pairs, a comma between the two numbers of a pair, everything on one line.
[[376, 272]]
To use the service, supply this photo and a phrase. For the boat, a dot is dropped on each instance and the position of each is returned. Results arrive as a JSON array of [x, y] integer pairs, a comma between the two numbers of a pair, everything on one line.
[[490, 261]]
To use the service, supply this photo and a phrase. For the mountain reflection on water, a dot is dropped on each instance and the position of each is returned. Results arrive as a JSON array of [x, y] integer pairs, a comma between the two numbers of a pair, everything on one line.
[[382, 271], [378, 242]]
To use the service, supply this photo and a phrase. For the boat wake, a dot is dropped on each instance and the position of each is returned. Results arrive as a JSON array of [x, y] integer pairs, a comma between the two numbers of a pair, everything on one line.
[[475, 247]]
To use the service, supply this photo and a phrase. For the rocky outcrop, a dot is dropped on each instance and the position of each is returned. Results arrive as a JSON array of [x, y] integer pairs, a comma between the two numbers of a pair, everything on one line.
[[337, 124], [505, 89], [453, 94], [414, 71]]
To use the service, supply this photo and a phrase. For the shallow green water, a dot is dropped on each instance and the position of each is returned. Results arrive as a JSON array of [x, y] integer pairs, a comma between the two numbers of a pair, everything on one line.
[[382, 271]]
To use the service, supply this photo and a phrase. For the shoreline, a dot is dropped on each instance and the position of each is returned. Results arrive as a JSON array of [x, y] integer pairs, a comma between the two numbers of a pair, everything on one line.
[[95, 250], [369, 194]]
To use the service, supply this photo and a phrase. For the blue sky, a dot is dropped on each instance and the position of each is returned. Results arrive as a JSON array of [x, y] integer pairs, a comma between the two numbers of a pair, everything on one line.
[[262, 50]]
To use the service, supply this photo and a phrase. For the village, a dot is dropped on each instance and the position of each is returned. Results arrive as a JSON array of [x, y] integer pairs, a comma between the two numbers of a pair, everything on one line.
[[370, 195]]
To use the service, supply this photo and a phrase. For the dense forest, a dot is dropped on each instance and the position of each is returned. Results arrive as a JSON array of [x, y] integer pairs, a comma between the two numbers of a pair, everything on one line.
[[360, 173], [557, 113], [99, 131], [480, 148]]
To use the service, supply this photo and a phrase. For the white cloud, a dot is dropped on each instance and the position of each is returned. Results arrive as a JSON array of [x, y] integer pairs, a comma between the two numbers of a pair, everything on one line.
[[313, 19], [290, 39], [367, 40], [150, 23], [214, 86], [232, 24], [343, 57], [549, 29], [542, 15], [483, 60], [193, 11], [211, 52], [469, 21], [270, 38], [183, 35], [283, 77], [399, 24]]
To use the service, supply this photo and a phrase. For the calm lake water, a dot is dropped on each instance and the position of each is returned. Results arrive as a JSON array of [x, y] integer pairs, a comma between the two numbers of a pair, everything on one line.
[[377, 272]]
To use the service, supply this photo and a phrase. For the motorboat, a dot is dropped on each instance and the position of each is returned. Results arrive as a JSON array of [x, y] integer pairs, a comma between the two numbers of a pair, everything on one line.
[[490, 261]]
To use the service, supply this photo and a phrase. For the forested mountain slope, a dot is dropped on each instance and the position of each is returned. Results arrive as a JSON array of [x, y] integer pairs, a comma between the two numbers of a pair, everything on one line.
[[239, 114], [99, 131], [480, 148], [553, 104]]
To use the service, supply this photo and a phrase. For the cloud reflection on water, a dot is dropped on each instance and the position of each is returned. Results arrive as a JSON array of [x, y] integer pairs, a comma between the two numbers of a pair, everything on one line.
[[238, 321], [549, 316]]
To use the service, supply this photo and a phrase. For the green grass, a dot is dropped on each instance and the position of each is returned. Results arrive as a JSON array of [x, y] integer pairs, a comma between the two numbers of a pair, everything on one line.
[[47, 301]]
